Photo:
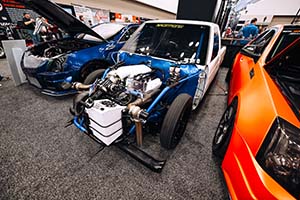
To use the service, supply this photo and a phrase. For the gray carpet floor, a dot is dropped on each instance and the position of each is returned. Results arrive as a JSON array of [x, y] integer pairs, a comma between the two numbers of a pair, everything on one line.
[[40, 159]]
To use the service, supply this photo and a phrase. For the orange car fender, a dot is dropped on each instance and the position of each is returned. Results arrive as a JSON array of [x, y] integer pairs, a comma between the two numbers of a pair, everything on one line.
[[240, 75]]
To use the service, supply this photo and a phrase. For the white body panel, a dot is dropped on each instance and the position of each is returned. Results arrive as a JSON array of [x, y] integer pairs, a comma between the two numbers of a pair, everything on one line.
[[132, 70], [212, 65], [106, 30], [106, 120]]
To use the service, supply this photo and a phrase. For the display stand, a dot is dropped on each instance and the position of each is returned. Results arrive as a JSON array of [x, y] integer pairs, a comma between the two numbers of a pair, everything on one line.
[[14, 50]]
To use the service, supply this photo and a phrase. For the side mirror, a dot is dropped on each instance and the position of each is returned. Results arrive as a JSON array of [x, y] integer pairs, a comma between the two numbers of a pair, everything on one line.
[[251, 51]]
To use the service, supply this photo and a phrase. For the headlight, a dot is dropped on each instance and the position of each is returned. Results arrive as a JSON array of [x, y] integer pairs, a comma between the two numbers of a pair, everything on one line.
[[57, 64], [279, 155]]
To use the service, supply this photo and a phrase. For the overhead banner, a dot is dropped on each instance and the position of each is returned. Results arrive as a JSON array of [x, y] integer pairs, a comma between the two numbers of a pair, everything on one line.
[[100, 15], [91, 16], [85, 12]]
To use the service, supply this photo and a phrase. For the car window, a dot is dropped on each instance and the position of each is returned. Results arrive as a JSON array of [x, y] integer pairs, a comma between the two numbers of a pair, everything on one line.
[[257, 46], [216, 44], [285, 39], [128, 33], [184, 42]]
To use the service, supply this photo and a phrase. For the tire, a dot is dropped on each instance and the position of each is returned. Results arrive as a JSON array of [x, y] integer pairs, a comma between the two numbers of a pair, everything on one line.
[[228, 76], [224, 131], [93, 76], [2, 53], [78, 108], [175, 121]]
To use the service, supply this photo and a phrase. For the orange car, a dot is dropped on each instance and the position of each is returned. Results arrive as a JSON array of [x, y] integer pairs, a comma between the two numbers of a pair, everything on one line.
[[258, 137]]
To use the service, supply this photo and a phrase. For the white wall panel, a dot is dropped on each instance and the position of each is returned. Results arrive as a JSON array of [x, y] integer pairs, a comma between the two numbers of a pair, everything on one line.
[[168, 5], [273, 7], [124, 7]]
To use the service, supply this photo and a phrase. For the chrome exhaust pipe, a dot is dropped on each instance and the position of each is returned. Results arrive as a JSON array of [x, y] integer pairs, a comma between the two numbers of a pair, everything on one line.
[[80, 86]]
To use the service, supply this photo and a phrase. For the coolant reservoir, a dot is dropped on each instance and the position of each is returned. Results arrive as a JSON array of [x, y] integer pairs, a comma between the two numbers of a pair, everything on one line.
[[106, 120]]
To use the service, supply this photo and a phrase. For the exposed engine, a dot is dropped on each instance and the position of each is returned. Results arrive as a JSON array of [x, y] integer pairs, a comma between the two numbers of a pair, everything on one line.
[[125, 84], [54, 51], [124, 90], [57, 47]]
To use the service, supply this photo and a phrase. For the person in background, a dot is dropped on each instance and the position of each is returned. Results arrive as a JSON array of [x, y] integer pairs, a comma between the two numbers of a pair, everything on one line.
[[40, 23], [55, 31], [98, 17], [81, 18], [29, 25], [227, 33], [249, 32], [41, 26]]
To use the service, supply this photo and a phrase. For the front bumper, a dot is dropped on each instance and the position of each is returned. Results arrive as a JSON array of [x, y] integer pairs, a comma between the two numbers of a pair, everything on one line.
[[49, 82], [244, 177]]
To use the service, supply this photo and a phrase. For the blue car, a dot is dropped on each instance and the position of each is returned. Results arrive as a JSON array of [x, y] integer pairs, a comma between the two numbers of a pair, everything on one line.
[[162, 73], [51, 65]]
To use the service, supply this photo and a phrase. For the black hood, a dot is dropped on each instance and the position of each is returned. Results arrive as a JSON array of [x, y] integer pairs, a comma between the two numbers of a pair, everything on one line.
[[58, 16]]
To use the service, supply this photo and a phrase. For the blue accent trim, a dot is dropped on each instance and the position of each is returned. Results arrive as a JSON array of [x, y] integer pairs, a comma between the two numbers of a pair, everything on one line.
[[112, 57], [79, 125], [200, 46], [152, 105], [157, 99], [105, 73], [132, 130], [136, 93]]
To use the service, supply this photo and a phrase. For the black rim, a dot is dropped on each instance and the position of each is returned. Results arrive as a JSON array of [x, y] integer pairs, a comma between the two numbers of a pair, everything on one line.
[[225, 126], [180, 127]]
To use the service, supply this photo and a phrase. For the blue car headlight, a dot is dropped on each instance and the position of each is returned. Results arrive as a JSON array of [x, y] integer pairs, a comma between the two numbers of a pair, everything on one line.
[[279, 155]]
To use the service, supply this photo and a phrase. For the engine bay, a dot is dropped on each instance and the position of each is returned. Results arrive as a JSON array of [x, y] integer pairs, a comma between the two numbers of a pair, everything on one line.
[[126, 84], [124, 92], [56, 51], [55, 48]]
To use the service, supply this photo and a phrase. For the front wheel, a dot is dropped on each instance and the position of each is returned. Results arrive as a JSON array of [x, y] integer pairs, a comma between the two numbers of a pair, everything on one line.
[[175, 121], [224, 131], [93, 76]]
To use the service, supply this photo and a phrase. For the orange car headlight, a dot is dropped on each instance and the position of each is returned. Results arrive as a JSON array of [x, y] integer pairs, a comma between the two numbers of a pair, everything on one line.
[[279, 155]]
